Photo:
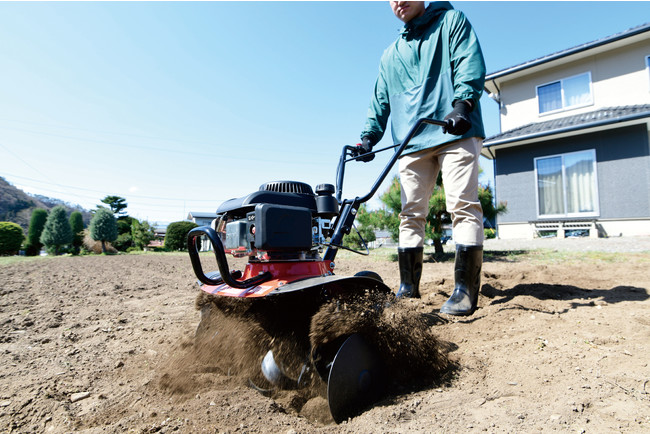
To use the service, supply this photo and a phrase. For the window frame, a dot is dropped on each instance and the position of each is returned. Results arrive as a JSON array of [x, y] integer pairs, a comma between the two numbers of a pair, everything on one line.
[[565, 108], [647, 69], [566, 215]]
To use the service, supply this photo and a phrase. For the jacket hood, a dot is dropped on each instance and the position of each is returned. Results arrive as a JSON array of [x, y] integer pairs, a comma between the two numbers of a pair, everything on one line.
[[417, 26]]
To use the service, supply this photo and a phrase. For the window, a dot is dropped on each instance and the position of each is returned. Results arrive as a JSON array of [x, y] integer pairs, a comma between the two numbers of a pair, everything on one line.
[[564, 94], [567, 185]]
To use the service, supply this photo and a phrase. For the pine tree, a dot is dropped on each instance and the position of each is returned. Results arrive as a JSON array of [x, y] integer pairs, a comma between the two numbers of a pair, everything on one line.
[[77, 227], [117, 204], [36, 226], [438, 215], [57, 232], [142, 233], [103, 227]]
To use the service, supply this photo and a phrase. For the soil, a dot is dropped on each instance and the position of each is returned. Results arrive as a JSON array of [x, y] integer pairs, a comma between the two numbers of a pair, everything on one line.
[[107, 344]]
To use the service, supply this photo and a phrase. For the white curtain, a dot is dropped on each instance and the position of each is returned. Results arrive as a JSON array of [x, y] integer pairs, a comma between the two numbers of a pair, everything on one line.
[[579, 171], [578, 183], [549, 184], [549, 97], [576, 90]]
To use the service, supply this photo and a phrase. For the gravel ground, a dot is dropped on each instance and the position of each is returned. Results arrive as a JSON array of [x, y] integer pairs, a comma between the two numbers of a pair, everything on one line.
[[612, 244]]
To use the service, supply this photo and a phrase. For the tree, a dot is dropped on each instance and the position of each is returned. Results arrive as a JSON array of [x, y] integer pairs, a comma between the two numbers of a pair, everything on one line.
[[117, 204], [490, 211], [142, 233], [124, 239], [77, 226], [388, 218], [103, 227], [11, 238], [176, 235], [365, 228], [438, 215], [57, 232], [36, 226]]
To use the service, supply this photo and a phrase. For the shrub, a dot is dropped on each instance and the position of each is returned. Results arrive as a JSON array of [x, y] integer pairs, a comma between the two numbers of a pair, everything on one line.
[[77, 227], [124, 238], [123, 242], [11, 238], [57, 232], [36, 225], [353, 241], [124, 225], [489, 233], [93, 246], [176, 235]]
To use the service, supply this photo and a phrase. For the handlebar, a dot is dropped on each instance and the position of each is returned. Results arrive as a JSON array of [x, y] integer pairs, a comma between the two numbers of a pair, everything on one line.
[[225, 274], [354, 154], [342, 224], [349, 207]]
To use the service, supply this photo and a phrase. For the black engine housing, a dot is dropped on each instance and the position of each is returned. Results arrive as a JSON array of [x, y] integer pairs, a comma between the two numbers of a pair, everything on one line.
[[282, 216]]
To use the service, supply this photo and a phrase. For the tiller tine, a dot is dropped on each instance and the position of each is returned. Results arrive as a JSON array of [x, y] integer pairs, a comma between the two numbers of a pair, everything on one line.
[[356, 379]]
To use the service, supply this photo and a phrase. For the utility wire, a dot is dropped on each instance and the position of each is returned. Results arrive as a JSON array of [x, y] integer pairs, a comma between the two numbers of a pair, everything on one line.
[[100, 191], [25, 162], [246, 156]]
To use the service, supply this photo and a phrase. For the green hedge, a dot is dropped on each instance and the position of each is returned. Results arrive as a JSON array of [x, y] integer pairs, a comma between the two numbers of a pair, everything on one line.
[[176, 235], [11, 238]]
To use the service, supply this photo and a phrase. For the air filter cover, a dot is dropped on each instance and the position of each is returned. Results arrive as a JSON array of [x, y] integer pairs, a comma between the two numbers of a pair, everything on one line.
[[287, 187]]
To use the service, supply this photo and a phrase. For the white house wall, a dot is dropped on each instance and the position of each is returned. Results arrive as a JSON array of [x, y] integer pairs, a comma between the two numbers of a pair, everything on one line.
[[619, 78]]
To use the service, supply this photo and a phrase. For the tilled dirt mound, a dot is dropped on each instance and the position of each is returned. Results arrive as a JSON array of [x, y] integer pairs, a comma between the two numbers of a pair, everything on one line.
[[403, 337], [107, 344], [231, 341]]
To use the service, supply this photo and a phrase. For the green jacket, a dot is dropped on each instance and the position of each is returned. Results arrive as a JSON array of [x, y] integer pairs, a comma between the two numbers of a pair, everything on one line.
[[435, 61]]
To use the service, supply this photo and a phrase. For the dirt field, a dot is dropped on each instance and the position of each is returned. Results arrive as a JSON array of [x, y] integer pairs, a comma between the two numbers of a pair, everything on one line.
[[560, 342]]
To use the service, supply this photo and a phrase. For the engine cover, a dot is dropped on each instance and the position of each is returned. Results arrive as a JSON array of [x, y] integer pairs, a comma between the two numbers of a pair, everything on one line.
[[290, 193], [284, 220], [279, 228]]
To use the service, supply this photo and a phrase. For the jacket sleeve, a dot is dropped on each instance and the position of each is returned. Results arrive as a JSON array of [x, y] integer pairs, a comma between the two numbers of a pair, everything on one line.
[[466, 58], [379, 110]]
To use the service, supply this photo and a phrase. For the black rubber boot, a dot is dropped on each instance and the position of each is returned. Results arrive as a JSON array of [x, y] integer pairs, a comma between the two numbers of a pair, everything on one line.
[[467, 276], [410, 271]]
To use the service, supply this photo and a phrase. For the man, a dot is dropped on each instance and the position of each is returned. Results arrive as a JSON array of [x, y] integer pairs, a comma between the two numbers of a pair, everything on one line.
[[435, 69]]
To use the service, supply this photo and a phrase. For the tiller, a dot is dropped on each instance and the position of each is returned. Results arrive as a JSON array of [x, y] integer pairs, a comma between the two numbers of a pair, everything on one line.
[[291, 236]]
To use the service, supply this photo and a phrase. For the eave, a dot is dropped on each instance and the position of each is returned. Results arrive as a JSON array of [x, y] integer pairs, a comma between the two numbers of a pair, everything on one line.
[[566, 127]]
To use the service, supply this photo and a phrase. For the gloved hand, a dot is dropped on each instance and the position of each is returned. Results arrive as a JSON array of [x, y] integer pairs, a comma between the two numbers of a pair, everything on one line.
[[364, 148], [459, 117]]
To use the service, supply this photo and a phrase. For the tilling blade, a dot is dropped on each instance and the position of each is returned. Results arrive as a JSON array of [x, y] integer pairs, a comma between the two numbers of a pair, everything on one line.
[[356, 379]]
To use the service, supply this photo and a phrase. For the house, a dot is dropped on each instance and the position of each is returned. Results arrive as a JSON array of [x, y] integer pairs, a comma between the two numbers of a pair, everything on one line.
[[203, 219], [573, 153], [159, 238], [383, 238]]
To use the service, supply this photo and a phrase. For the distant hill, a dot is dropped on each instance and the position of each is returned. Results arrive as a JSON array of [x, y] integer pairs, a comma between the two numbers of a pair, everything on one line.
[[16, 206]]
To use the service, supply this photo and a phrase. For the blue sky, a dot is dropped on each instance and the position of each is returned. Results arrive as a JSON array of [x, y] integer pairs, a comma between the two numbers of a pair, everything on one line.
[[178, 106]]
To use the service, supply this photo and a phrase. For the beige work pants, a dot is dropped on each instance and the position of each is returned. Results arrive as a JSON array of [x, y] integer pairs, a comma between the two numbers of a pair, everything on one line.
[[418, 173]]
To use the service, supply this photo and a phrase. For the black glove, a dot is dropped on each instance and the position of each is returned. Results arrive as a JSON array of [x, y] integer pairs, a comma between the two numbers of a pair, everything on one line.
[[364, 148], [459, 117]]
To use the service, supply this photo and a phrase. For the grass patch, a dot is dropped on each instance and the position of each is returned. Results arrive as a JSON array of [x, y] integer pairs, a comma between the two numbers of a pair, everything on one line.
[[10, 260], [379, 255], [556, 256], [506, 255]]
